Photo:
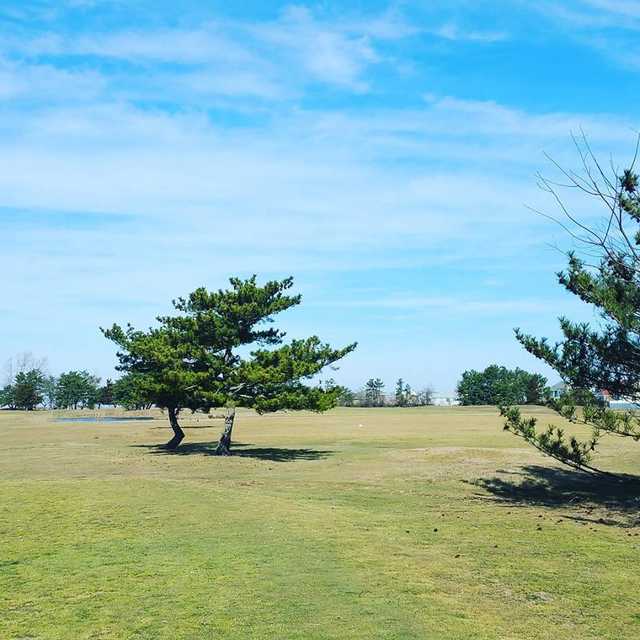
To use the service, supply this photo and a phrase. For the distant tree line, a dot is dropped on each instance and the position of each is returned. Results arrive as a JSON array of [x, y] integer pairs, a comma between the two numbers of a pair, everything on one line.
[[495, 385], [28, 386], [373, 395], [498, 385]]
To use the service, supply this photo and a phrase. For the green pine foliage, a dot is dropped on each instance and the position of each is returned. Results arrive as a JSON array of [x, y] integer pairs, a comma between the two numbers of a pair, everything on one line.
[[374, 393], [6, 396], [401, 396], [27, 389], [77, 390], [130, 391], [589, 359], [220, 349], [498, 385]]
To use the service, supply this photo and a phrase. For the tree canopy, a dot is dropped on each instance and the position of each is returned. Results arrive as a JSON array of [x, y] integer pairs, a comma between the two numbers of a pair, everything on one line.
[[607, 276], [498, 385], [25, 391], [199, 358], [130, 391], [77, 389], [374, 393], [403, 393]]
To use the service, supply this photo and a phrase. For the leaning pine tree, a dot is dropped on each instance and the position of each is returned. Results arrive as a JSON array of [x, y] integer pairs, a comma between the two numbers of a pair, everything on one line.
[[200, 358], [606, 357]]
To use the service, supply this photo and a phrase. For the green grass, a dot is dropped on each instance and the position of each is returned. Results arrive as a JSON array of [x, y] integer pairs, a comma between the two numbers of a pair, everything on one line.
[[391, 523]]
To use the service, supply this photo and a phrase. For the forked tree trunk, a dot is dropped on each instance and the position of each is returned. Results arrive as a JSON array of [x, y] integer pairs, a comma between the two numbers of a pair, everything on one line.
[[178, 433], [224, 445]]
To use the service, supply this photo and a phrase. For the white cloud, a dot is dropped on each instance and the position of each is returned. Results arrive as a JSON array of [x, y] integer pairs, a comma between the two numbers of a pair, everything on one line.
[[608, 26], [297, 46], [451, 31], [490, 118], [592, 14], [215, 82], [206, 44], [417, 304], [272, 60], [121, 123], [317, 182], [329, 53], [45, 82], [623, 8]]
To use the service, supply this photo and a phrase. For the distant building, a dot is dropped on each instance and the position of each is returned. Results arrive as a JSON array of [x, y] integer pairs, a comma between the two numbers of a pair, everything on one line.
[[445, 401], [603, 395], [558, 389], [623, 403]]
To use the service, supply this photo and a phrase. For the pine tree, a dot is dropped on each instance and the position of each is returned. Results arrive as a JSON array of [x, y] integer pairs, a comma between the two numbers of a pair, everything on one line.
[[77, 389], [401, 398], [129, 391], [198, 358], [590, 359], [497, 385], [50, 391], [105, 393], [27, 389], [374, 393]]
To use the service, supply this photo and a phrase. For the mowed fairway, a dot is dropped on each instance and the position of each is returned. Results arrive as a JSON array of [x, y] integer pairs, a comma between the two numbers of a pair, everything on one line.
[[359, 523]]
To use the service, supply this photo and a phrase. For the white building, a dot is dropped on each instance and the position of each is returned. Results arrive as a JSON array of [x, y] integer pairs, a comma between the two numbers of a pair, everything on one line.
[[445, 401], [558, 389]]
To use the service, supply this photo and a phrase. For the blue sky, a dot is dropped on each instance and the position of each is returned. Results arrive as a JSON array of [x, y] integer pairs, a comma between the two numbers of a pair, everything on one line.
[[381, 153]]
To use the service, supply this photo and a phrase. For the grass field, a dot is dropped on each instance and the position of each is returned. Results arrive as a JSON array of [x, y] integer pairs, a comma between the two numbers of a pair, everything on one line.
[[380, 523]]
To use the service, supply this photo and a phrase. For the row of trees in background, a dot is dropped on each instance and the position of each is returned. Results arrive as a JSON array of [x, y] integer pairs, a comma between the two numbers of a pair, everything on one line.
[[28, 387], [71, 390], [33, 387], [373, 395], [498, 385]]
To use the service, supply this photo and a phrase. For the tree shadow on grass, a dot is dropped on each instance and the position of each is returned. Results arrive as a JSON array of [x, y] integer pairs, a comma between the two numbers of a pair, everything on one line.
[[240, 450], [593, 499], [191, 426]]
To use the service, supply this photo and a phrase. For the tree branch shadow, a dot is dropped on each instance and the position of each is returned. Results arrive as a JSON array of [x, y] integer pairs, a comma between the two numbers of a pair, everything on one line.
[[240, 450], [187, 427], [611, 501]]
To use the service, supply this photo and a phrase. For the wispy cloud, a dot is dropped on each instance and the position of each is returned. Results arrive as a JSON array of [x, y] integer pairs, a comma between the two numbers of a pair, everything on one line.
[[271, 59], [329, 53], [608, 26], [311, 193], [336, 145], [452, 31], [16, 220], [418, 304], [46, 82], [297, 46], [493, 119], [600, 13]]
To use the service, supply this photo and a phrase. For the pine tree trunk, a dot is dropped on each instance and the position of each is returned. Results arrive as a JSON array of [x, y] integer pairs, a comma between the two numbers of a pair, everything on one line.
[[178, 433], [224, 445]]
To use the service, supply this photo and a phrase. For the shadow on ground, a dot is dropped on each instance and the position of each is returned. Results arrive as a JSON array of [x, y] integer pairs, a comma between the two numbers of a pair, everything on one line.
[[240, 450], [595, 499], [187, 427]]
